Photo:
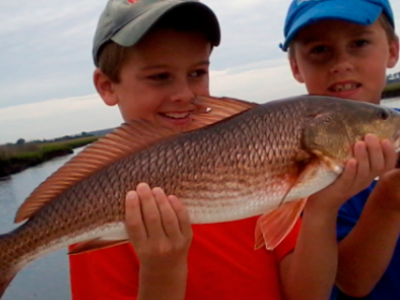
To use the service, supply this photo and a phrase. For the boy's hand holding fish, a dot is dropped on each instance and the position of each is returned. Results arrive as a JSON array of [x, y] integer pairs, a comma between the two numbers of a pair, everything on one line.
[[372, 158], [159, 229]]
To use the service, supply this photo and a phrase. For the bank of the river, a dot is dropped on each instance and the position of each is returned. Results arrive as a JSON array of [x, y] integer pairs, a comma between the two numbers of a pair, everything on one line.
[[16, 158], [391, 90]]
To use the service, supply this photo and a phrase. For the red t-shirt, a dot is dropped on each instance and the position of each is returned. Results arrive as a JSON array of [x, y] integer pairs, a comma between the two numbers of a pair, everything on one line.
[[222, 265]]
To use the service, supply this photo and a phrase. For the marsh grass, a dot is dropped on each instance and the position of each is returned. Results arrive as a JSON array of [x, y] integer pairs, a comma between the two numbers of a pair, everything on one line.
[[392, 87], [39, 151]]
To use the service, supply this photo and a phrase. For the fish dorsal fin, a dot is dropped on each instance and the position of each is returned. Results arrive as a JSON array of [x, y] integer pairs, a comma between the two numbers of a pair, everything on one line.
[[217, 109], [126, 139]]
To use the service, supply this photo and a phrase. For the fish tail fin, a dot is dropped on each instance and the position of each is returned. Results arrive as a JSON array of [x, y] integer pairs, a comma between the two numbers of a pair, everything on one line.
[[5, 281], [8, 266]]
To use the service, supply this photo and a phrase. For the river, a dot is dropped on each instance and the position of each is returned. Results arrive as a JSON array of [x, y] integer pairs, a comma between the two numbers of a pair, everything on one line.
[[47, 278]]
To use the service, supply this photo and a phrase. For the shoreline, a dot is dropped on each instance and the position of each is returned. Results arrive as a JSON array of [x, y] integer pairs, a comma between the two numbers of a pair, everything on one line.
[[21, 159], [391, 90], [16, 165]]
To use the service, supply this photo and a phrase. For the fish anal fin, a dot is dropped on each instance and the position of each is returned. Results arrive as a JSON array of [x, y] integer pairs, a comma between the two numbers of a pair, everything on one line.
[[274, 226], [93, 245]]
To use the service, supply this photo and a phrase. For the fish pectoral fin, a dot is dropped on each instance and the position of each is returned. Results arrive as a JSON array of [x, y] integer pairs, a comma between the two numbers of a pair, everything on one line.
[[329, 162], [95, 244], [213, 109], [274, 226]]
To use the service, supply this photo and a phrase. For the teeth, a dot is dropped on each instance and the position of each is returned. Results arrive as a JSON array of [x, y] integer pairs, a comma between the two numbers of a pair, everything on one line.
[[344, 87], [177, 115]]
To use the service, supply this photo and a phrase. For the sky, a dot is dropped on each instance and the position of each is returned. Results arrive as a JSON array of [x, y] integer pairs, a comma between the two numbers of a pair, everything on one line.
[[46, 65]]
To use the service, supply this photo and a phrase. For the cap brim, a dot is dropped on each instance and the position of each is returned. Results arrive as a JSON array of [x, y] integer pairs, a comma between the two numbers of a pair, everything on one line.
[[132, 32], [354, 11]]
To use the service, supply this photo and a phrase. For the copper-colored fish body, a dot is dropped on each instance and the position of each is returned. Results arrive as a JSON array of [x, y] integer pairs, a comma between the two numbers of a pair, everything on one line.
[[248, 160]]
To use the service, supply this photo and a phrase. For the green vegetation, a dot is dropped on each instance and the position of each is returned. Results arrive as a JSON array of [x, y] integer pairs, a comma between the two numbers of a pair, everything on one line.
[[391, 90], [21, 155], [34, 150], [392, 86]]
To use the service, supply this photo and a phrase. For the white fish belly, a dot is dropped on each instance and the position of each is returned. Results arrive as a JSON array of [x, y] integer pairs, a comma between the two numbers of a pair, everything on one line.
[[234, 205]]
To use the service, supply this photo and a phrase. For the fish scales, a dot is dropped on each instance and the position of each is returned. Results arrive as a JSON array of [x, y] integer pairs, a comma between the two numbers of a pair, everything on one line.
[[100, 198], [243, 166]]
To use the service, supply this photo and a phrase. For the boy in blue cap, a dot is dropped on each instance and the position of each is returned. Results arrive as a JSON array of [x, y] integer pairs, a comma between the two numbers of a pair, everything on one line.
[[342, 48]]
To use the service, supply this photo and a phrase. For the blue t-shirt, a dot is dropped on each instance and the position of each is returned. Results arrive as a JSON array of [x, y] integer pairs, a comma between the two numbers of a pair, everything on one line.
[[388, 287]]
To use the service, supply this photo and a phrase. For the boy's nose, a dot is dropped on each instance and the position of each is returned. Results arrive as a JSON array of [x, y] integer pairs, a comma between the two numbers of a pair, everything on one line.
[[341, 63], [183, 93]]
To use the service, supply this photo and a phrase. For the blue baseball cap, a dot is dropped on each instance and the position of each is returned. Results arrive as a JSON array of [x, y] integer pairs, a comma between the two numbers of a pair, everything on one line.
[[305, 12], [125, 22]]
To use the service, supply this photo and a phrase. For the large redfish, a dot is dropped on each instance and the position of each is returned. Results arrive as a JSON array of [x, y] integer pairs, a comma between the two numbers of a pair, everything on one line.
[[238, 160]]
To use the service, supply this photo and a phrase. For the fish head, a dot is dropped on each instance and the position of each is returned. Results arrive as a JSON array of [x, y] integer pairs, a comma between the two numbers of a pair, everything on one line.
[[382, 121], [337, 124]]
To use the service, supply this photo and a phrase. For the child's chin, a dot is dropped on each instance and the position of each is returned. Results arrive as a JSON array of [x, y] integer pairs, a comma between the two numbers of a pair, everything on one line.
[[355, 94]]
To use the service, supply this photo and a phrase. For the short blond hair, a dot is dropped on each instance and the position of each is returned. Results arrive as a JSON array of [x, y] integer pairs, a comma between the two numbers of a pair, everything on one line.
[[111, 59]]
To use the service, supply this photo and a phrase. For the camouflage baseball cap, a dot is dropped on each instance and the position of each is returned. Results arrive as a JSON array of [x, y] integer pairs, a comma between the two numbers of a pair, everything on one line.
[[125, 22]]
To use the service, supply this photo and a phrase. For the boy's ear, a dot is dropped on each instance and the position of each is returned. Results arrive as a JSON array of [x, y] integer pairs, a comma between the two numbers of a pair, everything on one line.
[[295, 70], [393, 53], [104, 87]]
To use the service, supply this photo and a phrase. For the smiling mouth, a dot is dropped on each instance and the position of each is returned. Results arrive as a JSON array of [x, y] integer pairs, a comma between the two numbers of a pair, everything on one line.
[[176, 115], [344, 87]]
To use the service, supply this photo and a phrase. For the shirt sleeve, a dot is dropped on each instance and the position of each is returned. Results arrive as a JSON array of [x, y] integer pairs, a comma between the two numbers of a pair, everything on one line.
[[107, 274]]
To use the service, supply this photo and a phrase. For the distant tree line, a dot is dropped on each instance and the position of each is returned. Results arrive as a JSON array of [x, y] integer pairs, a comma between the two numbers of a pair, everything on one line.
[[22, 141]]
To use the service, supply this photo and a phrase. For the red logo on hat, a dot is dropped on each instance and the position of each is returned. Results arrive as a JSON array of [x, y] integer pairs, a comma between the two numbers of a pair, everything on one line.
[[132, 1]]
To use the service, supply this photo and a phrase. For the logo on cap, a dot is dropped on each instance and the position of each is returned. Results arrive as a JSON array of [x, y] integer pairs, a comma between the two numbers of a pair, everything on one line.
[[132, 1]]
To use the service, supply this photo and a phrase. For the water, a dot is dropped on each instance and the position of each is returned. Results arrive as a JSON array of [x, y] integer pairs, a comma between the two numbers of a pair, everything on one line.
[[47, 278], [392, 102]]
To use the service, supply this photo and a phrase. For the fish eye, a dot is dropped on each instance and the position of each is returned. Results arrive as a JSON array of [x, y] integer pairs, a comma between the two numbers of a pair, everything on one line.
[[383, 114]]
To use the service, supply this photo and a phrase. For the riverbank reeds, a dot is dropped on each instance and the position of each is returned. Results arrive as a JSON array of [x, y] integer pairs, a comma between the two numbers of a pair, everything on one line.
[[391, 90], [15, 158]]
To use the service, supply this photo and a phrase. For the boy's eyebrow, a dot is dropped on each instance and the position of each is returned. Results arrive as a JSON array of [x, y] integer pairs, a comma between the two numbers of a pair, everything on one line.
[[203, 62], [163, 66], [355, 32]]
